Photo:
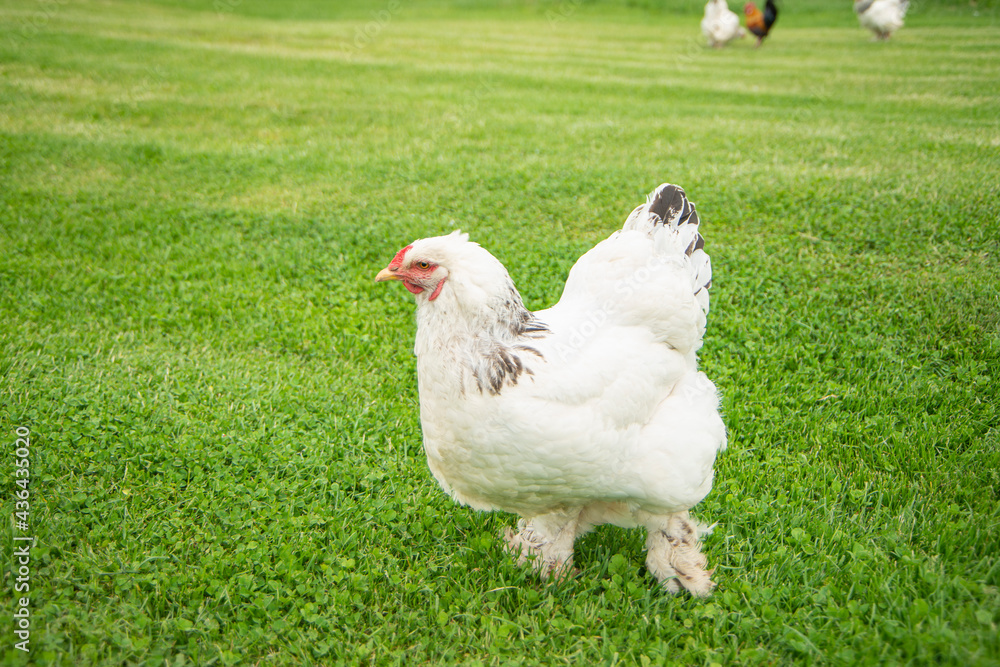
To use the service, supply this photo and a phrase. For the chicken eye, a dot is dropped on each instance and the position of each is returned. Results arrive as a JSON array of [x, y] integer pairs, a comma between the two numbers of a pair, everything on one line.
[[423, 265]]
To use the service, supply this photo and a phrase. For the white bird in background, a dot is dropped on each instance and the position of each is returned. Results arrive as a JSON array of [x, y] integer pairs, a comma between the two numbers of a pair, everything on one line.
[[587, 413], [720, 25], [882, 17]]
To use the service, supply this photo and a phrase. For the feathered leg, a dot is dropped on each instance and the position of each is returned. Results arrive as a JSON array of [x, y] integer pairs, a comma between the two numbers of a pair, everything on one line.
[[674, 554], [545, 540]]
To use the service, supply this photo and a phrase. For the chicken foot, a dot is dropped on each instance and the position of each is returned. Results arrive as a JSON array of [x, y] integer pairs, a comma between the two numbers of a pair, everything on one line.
[[546, 541], [674, 555]]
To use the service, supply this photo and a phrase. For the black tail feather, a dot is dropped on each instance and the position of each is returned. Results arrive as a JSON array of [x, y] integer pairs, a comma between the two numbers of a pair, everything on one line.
[[670, 204]]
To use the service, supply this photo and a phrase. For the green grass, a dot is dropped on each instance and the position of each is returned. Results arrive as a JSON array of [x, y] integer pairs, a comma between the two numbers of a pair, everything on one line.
[[226, 459]]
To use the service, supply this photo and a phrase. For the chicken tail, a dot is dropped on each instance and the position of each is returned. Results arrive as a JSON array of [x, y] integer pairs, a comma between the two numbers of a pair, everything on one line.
[[770, 14], [667, 209]]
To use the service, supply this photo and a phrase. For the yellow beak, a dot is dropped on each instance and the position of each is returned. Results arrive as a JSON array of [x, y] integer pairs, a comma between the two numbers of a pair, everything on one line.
[[386, 274]]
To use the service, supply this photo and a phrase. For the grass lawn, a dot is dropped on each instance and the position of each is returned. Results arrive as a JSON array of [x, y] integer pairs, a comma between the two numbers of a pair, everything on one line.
[[225, 452]]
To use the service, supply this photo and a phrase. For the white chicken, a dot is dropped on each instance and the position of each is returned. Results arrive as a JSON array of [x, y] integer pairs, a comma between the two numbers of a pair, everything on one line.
[[720, 25], [882, 17], [587, 413]]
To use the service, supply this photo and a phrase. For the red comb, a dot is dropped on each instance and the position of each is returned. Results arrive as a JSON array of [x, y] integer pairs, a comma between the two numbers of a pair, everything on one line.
[[397, 261]]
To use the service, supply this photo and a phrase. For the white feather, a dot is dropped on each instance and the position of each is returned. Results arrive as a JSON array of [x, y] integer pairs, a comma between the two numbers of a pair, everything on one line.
[[720, 24], [882, 17], [607, 409]]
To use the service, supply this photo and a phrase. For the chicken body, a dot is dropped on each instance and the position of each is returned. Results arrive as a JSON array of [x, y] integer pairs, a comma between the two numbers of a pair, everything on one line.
[[758, 22], [882, 17], [720, 24], [590, 412]]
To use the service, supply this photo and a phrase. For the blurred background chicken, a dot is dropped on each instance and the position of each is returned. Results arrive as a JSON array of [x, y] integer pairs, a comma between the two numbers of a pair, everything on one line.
[[882, 17], [720, 25], [758, 22]]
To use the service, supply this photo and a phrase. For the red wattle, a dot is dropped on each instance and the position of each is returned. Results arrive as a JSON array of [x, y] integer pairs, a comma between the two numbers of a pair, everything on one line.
[[437, 290]]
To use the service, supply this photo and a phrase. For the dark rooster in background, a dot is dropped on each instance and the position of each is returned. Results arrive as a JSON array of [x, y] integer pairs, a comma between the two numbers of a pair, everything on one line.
[[758, 22]]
